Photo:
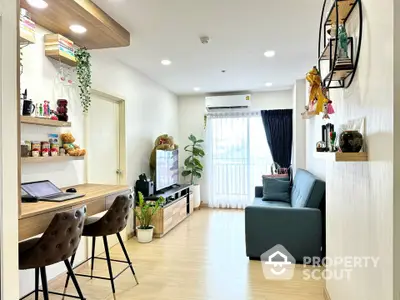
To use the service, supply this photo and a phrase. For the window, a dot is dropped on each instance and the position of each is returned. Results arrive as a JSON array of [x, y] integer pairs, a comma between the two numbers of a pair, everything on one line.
[[238, 155]]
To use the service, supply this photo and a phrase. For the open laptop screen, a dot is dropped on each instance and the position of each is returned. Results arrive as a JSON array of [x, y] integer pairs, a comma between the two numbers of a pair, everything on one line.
[[40, 189]]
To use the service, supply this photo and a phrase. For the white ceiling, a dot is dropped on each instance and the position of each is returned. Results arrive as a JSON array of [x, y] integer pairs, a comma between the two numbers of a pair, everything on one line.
[[240, 31]]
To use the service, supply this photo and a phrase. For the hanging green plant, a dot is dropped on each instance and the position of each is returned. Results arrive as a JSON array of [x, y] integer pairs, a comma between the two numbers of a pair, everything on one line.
[[84, 76]]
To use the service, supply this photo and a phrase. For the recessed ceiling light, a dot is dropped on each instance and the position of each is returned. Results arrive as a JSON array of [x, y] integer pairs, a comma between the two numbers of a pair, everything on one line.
[[78, 28], [268, 84], [38, 3], [166, 62], [269, 53], [196, 89]]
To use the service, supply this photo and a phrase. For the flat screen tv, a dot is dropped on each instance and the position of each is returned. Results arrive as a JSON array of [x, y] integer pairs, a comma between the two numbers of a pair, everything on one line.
[[167, 169]]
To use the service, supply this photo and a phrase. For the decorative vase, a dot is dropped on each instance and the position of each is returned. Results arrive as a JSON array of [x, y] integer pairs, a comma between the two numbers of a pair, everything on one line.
[[351, 141], [195, 189], [144, 235]]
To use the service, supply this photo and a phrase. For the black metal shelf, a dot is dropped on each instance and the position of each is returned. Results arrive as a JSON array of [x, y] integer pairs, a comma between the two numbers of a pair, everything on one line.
[[339, 13]]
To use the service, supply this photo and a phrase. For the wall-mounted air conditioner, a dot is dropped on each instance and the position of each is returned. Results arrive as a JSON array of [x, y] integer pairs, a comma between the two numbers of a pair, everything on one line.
[[234, 102]]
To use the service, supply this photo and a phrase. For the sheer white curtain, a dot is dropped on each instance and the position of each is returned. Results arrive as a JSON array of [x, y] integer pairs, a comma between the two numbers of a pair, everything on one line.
[[237, 156]]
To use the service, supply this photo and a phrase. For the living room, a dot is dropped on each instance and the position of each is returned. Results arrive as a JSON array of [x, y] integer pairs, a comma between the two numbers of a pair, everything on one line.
[[269, 156]]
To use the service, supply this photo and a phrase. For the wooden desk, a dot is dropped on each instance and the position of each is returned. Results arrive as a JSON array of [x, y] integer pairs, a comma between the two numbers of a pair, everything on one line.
[[36, 217]]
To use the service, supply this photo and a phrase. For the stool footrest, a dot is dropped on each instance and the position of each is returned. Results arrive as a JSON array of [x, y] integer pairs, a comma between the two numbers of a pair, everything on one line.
[[54, 293]]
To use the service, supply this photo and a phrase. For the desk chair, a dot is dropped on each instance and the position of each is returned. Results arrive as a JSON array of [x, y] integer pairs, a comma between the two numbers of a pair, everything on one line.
[[58, 243], [113, 222]]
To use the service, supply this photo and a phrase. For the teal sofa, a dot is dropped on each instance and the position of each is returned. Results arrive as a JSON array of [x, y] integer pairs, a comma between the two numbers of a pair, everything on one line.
[[298, 225]]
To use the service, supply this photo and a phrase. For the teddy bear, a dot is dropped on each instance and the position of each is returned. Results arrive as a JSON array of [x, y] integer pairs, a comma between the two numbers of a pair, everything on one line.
[[163, 142], [69, 146], [62, 110]]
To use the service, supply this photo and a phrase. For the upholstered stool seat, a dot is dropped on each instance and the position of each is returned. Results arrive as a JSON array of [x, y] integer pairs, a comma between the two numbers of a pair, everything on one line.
[[113, 222], [58, 243]]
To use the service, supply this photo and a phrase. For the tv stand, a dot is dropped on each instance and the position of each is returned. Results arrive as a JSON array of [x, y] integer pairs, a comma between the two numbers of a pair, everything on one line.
[[178, 206]]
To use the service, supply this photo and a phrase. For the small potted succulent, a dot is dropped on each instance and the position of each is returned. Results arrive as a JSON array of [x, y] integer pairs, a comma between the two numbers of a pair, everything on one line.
[[144, 211], [35, 152]]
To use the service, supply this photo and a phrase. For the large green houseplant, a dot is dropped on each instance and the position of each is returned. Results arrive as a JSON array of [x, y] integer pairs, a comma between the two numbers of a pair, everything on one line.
[[144, 211], [193, 166]]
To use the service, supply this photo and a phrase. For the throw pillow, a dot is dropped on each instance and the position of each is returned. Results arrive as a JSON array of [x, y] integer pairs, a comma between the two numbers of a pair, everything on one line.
[[276, 189]]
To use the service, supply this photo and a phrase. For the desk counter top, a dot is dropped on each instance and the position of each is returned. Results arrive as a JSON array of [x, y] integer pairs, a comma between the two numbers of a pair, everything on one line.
[[91, 191]]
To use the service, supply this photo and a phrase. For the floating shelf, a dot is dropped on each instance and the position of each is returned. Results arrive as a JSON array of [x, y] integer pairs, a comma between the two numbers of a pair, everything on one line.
[[308, 115], [341, 156], [102, 30], [25, 40], [48, 159], [43, 122], [58, 56], [345, 8]]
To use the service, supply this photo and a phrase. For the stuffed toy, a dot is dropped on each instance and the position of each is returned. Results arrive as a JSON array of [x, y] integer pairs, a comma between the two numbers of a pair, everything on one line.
[[163, 142], [69, 146]]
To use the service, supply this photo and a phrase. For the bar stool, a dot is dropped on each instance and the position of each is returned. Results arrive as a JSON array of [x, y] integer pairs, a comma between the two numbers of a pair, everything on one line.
[[113, 222], [58, 243]]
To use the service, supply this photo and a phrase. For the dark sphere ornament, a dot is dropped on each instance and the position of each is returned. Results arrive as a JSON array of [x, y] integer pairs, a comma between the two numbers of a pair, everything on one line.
[[351, 141]]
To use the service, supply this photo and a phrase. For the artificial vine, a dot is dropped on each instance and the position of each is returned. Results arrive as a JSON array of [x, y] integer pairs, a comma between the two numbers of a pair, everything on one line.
[[84, 76]]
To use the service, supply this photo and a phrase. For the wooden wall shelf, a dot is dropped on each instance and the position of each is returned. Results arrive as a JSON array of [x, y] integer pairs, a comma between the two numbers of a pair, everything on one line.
[[50, 159], [43, 122], [102, 30], [25, 40], [58, 56], [345, 8], [342, 157]]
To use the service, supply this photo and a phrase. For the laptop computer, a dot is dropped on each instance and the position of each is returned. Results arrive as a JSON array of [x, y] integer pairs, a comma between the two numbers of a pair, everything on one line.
[[47, 191]]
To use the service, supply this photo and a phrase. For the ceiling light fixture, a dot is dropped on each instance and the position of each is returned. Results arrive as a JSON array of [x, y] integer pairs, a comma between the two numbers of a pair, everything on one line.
[[166, 62], [78, 28], [196, 89], [41, 4], [268, 84], [269, 53]]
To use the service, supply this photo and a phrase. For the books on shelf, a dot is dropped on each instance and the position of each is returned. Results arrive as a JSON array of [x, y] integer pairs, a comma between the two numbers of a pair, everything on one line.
[[56, 43], [27, 28]]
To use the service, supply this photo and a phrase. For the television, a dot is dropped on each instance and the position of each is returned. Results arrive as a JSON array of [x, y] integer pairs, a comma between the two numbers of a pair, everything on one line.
[[167, 169]]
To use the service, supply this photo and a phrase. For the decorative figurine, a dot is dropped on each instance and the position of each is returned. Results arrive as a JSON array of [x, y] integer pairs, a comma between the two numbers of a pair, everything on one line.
[[37, 111], [46, 109], [343, 60], [40, 110], [316, 92]]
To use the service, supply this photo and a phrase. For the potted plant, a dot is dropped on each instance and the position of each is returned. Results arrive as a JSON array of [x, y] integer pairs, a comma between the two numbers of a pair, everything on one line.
[[144, 214], [193, 166]]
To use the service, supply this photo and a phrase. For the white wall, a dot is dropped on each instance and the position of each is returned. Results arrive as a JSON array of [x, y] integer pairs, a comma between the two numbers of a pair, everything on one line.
[[299, 126], [150, 109], [191, 118], [360, 195], [8, 150]]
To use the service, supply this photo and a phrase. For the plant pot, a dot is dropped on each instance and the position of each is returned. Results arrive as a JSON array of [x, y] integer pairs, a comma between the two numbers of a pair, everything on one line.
[[351, 141], [196, 195], [144, 235]]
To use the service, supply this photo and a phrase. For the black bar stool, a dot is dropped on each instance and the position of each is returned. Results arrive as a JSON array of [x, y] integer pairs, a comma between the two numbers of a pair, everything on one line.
[[113, 222], [59, 242]]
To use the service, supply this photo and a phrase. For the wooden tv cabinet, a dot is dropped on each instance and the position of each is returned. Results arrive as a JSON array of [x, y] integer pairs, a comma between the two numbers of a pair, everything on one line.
[[171, 214]]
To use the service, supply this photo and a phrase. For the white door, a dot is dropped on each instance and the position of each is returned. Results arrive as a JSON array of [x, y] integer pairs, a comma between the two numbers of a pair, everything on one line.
[[103, 136]]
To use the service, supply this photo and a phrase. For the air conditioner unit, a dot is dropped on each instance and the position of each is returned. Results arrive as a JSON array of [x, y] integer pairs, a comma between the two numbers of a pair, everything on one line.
[[235, 102]]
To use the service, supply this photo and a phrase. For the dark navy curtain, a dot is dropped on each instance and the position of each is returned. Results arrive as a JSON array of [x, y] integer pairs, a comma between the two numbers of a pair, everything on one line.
[[279, 132]]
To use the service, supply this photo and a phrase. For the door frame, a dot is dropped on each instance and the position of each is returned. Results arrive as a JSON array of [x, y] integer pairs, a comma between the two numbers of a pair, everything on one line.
[[122, 179]]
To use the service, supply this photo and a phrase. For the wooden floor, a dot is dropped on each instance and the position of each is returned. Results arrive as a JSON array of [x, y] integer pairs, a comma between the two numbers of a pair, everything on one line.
[[202, 259]]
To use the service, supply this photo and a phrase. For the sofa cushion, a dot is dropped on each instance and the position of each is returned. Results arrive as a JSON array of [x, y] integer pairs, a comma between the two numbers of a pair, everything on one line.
[[259, 202], [307, 190], [276, 189]]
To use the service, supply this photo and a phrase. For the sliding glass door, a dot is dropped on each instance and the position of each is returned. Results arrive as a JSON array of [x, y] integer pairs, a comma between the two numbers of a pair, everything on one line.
[[238, 155]]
